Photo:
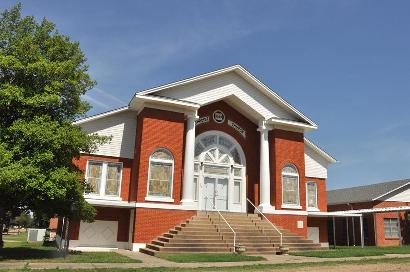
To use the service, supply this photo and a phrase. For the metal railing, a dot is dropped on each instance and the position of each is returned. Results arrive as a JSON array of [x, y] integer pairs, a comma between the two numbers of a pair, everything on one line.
[[221, 216], [274, 227]]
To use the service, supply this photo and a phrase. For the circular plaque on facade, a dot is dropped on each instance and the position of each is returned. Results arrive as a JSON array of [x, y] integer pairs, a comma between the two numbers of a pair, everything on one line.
[[219, 116]]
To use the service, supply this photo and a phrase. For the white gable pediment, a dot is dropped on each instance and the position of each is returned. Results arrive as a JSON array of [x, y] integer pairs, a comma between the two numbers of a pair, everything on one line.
[[232, 88], [401, 195]]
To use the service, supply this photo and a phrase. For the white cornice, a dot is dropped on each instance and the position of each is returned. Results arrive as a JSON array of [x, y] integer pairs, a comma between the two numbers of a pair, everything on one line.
[[320, 151], [138, 102], [101, 115]]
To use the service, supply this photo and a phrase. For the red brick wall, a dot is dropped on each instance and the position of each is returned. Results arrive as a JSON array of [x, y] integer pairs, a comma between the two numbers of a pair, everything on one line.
[[405, 228], [321, 192], [108, 214], [250, 144], [289, 222], [156, 129], [286, 147], [53, 223], [81, 163], [151, 223], [321, 223]]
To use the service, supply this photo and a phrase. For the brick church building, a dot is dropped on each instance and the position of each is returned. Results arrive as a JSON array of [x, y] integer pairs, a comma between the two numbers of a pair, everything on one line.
[[221, 141]]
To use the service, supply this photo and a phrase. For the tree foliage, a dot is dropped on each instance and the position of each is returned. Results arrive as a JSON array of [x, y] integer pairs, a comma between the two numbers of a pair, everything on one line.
[[42, 77]]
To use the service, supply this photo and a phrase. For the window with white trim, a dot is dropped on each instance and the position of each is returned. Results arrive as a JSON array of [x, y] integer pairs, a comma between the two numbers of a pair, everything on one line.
[[160, 179], [290, 186], [391, 227], [104, 178], [311, 190]]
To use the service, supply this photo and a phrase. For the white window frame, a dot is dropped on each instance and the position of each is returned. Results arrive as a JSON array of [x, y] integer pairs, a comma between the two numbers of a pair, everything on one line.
[[398, 228], [101, 194], [287, 205], [309, 208], [166, 162]]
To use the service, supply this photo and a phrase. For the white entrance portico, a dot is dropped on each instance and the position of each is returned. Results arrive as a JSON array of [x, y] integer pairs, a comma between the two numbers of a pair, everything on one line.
[[219, 173]]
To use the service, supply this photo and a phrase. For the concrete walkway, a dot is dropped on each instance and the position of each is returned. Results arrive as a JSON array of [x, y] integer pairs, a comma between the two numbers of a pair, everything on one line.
[[149, 261]]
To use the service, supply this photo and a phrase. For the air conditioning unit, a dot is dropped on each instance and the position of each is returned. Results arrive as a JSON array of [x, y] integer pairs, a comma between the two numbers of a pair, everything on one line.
[[36, 235]]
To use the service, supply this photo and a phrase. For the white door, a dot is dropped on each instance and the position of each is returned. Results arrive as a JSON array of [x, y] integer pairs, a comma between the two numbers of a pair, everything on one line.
[[221, 195], [215, 194], [208, 194], [313, 234]]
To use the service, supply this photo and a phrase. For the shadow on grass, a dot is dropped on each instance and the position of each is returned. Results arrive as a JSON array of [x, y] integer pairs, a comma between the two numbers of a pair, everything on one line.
[[24, 253]]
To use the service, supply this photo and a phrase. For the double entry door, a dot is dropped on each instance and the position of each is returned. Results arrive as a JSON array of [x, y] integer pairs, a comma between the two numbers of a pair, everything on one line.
[[215, 193]]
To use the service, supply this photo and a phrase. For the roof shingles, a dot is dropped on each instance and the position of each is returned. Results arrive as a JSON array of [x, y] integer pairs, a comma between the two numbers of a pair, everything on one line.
[[363, 193]]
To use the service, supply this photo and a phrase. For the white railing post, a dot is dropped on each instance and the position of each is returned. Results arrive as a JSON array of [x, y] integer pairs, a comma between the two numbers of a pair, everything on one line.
[[274, 227]]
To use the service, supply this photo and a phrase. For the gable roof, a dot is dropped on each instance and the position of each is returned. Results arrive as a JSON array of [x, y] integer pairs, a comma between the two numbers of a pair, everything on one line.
[[364, 193], [246, 76]]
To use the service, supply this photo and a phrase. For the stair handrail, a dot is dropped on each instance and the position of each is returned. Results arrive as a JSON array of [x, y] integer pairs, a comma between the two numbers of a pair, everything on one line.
[[280, 233], [234, 233]]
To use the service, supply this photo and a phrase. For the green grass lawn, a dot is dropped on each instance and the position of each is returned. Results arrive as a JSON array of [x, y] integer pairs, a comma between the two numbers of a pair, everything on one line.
[[341, 252], [209, 257], [16, 248], [246, 268]]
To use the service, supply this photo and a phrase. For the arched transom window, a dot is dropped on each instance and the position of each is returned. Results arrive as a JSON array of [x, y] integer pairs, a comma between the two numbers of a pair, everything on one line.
[[219, 148], [160, 177], [290, 186]]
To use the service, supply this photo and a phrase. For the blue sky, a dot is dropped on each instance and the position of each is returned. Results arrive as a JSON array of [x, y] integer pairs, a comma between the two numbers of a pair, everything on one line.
[[345, 64]]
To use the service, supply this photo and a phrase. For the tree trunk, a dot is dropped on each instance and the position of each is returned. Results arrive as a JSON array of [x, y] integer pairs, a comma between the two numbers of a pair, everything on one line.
[[1, 229]]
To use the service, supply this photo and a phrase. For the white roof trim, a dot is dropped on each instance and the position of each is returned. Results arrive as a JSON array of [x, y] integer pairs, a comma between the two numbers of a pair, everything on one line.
[[332, 214], [377, 210], [246, 75], [138, 101], [320, 151], [391, 191], [277, 121], [100, 115]]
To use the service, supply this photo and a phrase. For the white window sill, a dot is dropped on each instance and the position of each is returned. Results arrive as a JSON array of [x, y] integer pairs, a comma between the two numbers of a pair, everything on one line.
[[312, 209], [112, 198], [293, 207], [159, 199]]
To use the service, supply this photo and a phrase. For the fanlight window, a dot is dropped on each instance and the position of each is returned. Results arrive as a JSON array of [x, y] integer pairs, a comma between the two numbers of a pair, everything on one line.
[[290, 185], [215, 154], [161, 168]]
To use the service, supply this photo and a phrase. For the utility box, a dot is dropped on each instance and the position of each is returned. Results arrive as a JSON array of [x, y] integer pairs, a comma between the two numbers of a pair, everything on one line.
[[36, 235]]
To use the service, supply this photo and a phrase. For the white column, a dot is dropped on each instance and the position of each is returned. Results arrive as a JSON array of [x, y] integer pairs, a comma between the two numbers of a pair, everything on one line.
[[188, 180], [264, 172], [361, 231]]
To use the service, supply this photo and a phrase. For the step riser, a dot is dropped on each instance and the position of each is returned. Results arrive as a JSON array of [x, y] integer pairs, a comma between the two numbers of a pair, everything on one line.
[[207, 232]]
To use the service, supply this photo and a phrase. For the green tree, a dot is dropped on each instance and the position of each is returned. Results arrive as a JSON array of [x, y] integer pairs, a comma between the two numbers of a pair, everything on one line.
[[42, 77], [23, 220]]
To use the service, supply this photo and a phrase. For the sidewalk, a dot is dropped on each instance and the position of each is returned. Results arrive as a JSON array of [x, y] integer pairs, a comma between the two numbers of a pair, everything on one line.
[[149, 261]]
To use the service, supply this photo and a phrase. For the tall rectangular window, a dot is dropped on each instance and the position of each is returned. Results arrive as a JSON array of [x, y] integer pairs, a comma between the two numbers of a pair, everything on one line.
[[311, 188], [391, 228], [104, 178], [94, 176]]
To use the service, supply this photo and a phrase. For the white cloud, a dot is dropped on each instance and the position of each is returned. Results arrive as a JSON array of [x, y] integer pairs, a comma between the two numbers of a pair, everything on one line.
[[108, 95], [97, 102]]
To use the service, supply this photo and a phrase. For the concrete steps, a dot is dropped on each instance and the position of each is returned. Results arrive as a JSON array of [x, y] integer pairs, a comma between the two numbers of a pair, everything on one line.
[[207, 232]]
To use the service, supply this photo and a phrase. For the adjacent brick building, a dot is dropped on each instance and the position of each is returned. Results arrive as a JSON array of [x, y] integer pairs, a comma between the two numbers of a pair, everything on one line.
[[385, 209], [221, 140]]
